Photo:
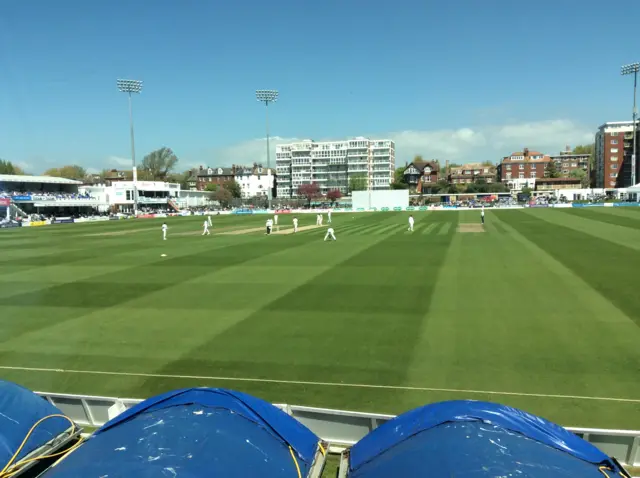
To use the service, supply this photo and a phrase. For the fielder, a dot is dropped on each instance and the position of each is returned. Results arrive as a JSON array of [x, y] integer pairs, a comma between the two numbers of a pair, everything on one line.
[[269, 226], [206, 228], [275, 219], [164, 231], [329, 216], [209, 220], [411, 223], [482, 215], [295, 225], [317, 219], [330, 234]]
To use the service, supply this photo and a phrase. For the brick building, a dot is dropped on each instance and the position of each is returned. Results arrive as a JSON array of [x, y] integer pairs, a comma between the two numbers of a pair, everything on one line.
[[522, 168], [422, 175], [613, 150], [566, 162], [202, 176], [472, 173]]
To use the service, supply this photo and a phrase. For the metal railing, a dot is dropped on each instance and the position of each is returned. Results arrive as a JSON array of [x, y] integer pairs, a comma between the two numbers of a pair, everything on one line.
[[339, 428]]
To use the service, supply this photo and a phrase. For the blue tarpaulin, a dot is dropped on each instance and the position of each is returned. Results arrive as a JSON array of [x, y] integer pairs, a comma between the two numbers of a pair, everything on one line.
[[20, 409], [474, 439], [197, 432]]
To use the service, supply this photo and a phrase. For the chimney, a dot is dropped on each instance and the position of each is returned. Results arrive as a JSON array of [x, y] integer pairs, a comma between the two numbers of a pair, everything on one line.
[[526, 152], [446, 167]]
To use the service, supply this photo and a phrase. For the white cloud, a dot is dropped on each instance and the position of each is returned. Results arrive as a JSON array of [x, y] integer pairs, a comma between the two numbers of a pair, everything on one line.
[[115, 161], [468, 144]]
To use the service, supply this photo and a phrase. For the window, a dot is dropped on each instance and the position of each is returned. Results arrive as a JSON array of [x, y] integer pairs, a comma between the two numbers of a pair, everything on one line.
[[614, 134], [613, 175], [612, 183], [533, 174], [614, 150], [508, 175], [533, 166], [521, 175], [614, 141], [614, 158], [521, 166], [614, 166], [508, 167], [486, 170]]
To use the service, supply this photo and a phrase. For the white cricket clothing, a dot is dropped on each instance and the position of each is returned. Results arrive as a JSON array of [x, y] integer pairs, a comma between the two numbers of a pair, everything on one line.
[[330, 234], [411, 221], [164, 232], [275, 219], [209, 220], [206, 228], [295, 224], [329, 217]]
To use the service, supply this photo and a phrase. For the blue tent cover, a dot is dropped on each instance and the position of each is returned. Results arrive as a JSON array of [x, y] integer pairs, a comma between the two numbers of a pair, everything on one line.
[[195, 432], [469, 438], [20, 409]]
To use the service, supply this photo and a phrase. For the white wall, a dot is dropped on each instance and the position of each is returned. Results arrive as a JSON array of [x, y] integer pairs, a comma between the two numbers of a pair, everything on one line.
[[380, 199], [254, 184]]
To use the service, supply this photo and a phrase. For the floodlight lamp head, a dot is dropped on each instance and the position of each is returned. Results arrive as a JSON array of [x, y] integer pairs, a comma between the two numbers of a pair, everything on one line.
[[267, 96], [629, 69], [129, 86]]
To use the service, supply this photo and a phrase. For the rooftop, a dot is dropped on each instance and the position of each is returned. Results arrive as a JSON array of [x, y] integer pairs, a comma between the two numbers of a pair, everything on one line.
[[15, 178]]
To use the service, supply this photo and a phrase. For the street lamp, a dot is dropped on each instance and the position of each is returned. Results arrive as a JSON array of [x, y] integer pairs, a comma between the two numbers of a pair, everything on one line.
[[132, 86], [632, 69], [266, 97]]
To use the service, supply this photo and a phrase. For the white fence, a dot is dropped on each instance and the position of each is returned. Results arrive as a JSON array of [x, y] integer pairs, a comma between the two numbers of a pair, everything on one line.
[[339, 428]]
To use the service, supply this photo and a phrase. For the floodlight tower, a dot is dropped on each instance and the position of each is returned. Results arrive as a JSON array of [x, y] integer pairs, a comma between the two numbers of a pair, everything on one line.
[[129, 87], [266, 97], [632, 69]]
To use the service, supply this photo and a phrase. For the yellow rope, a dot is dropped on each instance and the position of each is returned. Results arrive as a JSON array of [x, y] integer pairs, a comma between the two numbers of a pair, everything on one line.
[[294, 460], [12, 468]]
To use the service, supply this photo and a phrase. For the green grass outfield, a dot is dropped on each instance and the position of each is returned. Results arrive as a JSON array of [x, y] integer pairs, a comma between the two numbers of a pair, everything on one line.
[[541, 311]]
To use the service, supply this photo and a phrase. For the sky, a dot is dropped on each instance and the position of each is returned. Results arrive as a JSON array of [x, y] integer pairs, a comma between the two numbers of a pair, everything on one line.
[[463, 80]]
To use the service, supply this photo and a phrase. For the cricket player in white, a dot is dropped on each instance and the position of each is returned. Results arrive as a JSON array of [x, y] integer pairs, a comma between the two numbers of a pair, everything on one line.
[[329, 216], [275, 219], [330, 234], [295, 224], [317, 219], [411, 223], [269, 226], [164, 231], [209, 220], [320, 218], [482, 215], [206, 228]]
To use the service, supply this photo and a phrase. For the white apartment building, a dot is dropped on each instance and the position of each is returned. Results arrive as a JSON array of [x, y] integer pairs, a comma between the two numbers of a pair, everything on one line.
[[332, 164], [254, 181]]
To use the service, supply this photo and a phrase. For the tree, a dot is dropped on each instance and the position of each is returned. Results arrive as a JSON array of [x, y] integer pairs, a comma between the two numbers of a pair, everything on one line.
[[584, 149], [580, 174], [399, 185], [223, 196], [309, 191], [526, 190], [334, 195], [551, 170], [211, 187], [159, 163], [398, 175], [358, 183], [180, 178], [234, 188], [69, 172], [7, 167]]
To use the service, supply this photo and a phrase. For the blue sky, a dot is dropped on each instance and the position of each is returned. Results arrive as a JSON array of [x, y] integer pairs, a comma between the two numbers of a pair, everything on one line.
[[461, 80]]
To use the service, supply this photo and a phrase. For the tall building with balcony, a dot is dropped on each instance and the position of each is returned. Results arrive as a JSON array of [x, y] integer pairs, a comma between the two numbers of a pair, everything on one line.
[[332, 164], [613, 151], [567, 161]]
